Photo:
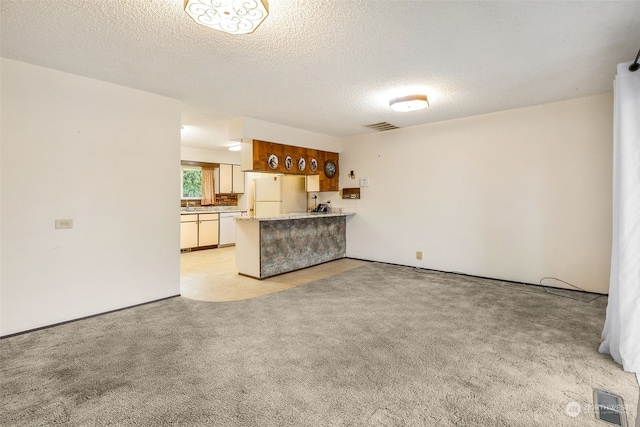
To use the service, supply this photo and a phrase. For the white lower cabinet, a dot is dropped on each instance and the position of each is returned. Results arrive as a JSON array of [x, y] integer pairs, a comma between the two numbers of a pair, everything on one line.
[[188, 231], [197, 230], [208, 229]]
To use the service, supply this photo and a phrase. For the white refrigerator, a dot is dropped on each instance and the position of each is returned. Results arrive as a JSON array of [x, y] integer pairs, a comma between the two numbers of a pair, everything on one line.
[[267, 196], [279, 194]]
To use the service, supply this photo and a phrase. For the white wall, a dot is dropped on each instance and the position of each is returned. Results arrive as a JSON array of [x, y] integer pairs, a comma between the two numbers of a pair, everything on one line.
[[1, 134], [105, 156], [245, 128], [516, 195]]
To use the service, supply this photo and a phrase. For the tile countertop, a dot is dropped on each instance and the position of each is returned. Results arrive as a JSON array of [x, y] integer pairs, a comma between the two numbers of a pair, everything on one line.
[[301, 215], [215, 209]]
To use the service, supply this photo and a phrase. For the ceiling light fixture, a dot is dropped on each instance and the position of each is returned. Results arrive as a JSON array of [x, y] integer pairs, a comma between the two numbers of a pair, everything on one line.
[[230, 16], [409, 103], [235, 147]]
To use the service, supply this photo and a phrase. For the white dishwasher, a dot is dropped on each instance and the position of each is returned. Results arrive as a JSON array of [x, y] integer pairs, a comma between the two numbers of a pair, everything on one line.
[[228, 228]]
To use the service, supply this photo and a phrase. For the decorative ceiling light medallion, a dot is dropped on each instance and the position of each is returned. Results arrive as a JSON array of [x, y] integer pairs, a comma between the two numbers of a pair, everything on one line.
[[230, 16], [409, 103]]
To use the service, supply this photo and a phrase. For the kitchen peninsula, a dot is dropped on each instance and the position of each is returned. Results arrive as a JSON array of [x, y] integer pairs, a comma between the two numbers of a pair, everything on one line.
[[270, 246]]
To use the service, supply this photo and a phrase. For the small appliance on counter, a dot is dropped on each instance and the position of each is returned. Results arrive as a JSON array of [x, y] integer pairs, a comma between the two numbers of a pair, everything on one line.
[[323, 208]]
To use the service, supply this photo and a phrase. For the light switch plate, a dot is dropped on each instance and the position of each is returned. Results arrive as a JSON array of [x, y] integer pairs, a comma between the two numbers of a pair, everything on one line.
[[364, 182]]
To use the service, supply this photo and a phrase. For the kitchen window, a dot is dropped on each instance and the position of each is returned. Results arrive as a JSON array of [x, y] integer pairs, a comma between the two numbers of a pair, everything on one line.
[[191, 182]]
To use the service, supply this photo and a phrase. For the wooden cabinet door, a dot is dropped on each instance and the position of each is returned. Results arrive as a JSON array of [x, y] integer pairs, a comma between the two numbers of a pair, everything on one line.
[[312, 183], [226, 179], [326, 183], [189, 234], [208, 233], [238, 180]]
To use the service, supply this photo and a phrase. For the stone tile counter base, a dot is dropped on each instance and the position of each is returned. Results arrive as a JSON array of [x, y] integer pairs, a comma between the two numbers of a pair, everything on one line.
[[267, 247]]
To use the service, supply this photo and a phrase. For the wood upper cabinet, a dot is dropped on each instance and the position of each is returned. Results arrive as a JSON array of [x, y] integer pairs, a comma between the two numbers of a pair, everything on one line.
[[326, 183], [261, 151]]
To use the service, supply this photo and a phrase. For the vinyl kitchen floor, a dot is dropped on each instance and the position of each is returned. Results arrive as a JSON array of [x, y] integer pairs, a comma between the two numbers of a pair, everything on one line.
[[211, 275]]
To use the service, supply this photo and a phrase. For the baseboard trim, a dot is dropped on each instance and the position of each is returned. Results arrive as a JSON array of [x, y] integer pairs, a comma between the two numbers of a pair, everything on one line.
[[85, 317], [481, 277]]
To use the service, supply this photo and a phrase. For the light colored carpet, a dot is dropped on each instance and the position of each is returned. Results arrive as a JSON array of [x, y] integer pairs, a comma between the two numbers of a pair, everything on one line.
[[379, 345]]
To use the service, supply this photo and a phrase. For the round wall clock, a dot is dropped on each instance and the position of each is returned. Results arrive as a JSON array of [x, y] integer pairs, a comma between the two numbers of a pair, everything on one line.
[[329, 168], [288, 162], [313, 165], [273, 161], [302, 163]]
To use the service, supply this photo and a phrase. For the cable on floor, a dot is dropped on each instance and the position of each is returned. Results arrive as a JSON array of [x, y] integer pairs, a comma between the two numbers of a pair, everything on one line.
[[547, 289], [566, 296]]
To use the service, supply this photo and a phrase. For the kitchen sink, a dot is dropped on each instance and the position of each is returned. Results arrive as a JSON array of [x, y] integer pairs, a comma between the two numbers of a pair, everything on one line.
[[215, 209]]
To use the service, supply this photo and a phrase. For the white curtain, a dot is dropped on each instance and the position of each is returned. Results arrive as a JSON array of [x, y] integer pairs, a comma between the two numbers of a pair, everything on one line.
[[621, 334]]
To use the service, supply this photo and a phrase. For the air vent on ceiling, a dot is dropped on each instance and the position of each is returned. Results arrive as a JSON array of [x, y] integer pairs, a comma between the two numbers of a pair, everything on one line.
[[382, 126]]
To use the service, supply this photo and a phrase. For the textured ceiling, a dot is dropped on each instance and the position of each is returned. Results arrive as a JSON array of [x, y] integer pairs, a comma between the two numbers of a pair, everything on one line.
[[331, 66]]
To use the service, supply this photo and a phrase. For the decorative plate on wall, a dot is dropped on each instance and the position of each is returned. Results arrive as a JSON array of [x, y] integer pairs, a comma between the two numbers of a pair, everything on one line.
[[302, 163], [288, 162], [329, 168], [273, 161], [313, 165]]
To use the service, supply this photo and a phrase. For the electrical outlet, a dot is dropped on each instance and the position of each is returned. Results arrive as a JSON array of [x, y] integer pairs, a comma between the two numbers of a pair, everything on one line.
[[364, 182], [418, 254], [64, 223]]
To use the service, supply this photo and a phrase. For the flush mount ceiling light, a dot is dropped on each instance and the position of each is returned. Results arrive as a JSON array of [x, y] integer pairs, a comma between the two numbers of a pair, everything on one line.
[[230, 16], [409, 103]]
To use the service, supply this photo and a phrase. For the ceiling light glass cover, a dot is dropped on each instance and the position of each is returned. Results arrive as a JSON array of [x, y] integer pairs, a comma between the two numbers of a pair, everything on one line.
[[230, 16], [409, 103]]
